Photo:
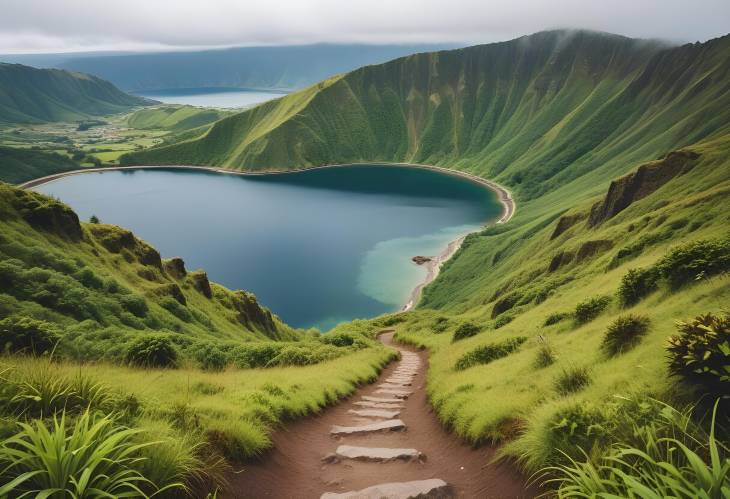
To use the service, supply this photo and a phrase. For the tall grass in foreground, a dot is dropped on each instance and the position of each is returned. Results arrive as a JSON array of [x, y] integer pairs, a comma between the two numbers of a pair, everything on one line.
[[95, 457], [673, 458]]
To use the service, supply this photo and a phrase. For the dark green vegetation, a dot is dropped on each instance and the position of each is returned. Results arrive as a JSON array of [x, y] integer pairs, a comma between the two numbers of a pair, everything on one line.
[[29, 95], [20, 165]]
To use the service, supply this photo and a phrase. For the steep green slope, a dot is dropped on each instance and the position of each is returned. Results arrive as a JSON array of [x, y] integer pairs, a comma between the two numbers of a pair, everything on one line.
[[103, 287], [20, 165], [173, 118], [536, 113], [29, 95]]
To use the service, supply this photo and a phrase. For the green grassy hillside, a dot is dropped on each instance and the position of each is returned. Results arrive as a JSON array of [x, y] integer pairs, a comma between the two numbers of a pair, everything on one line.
[[542, 336], [29, 95], [19, 165], [95, 324], [174, 118], [540, 114]]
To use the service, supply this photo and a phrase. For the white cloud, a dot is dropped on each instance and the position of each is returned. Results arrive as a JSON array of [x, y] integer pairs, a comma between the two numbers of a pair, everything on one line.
[[63, 25]]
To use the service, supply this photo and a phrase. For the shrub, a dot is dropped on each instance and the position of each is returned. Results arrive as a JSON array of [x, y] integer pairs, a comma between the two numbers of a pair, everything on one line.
[[236, 440], [636, 284], [545, 354], [440, 324], [338, 339], [465, 330], [253, 355], [694, 261], [624, 333], [577, 428], [211, 358], [153, 350], [572, 380], [134, 304], [93, 458], [700, 354], [555, 318], [503, 320], [488, 353], [23, 334], [176, 309], [296, 355], [591, 308]]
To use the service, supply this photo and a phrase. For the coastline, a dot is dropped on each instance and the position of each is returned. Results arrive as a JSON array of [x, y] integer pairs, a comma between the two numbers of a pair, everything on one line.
[[432, 267]]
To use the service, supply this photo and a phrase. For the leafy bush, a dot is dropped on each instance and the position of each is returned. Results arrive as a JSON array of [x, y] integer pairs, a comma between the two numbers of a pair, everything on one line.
[[694, 261], [152, 350], [572, 380], [488, 353], [503, 320], [440, 324], [624, 333], [555, 318], [23, 334], [545, 354], [135, 304], [636, 284], [577, 428], [93, 458], [211, 358], [252, 355], [175, 308], [673, 458], [342, 339], [700, 353], [465, 330], [591, 308], [300, 355]]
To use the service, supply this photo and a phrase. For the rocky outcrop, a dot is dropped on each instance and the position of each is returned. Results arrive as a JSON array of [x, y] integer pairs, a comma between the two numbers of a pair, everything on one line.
[[420, 260], [639, 184], [175, 267], [200, 282], [47, 214], [560, 259], [251, 314], [566, 222], [116, 239], [504, 304], [591, 248], [172, 290]]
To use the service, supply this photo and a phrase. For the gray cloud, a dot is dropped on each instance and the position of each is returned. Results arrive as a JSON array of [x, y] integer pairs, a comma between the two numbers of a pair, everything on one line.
[[63, 25]]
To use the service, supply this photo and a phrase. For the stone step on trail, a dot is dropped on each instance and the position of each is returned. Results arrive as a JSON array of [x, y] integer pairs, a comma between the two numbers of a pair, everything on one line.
[[387, 425], [392, 386], [399, 394], [401, 382], [381, 399], [379, 405], [433, 488], [377, 454], [375, 413]]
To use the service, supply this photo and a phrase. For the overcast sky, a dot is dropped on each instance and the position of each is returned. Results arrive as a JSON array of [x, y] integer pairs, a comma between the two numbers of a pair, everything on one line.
[[73, 25]]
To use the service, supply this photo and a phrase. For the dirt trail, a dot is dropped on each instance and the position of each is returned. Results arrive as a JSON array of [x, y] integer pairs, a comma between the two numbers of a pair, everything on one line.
[[295, 468]]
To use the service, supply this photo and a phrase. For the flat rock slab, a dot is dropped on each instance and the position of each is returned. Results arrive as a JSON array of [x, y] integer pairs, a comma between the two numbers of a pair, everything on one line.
[[379, 405], [378, 454], [380, 399], [375, 413], [392, 386], [419, 489], [388, 425], [399, 394], [399, 381]]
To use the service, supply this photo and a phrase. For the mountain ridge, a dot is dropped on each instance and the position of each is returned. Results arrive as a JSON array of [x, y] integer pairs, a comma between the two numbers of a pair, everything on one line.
[[30, 95]]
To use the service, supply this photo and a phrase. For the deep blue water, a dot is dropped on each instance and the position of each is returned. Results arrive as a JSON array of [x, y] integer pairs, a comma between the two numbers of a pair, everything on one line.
[[317, 247], [212, 97]]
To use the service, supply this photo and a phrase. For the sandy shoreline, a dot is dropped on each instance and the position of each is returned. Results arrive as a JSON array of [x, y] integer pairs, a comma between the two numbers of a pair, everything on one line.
[[432, 267]]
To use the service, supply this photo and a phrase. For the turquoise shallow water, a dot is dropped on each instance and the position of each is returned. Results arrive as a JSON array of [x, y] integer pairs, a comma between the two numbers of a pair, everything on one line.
[[317, 247]]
